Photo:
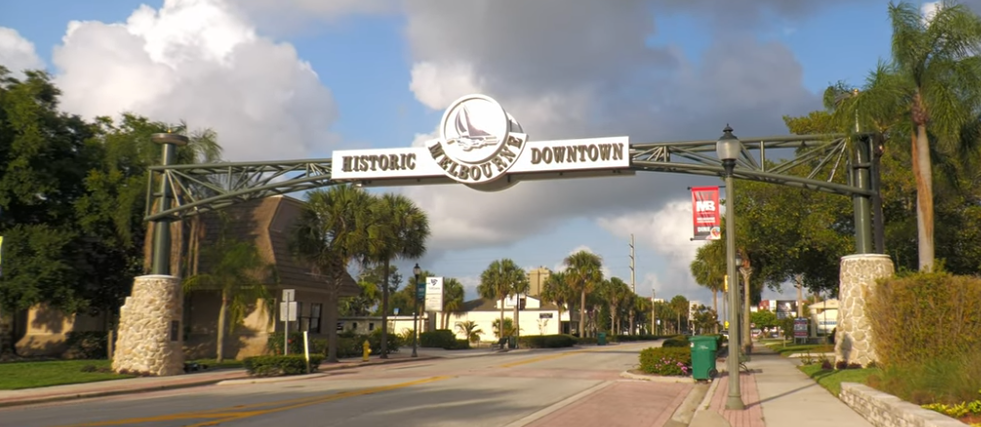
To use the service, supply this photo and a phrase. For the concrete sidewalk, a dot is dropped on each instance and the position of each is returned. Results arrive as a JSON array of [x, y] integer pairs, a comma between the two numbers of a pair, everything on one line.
[[775, 393], [146, 384]]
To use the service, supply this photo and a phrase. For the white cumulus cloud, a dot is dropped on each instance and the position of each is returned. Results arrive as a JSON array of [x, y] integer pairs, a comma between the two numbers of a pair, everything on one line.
[[200, 61], [17, 53]]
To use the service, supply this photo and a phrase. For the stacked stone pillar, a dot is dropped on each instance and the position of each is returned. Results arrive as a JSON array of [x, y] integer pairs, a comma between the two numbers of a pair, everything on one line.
[[854, 339], [151, 335]]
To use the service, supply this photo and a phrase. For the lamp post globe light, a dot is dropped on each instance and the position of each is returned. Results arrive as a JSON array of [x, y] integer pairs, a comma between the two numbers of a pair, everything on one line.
[[415, 312], [728, 148]]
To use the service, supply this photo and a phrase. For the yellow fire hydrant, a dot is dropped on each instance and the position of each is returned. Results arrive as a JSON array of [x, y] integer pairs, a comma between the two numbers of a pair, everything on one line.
[[367, 350]]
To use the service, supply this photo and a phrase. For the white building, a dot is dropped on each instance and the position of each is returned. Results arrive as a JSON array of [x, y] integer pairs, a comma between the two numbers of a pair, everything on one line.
[[824, 316], [534, 317]]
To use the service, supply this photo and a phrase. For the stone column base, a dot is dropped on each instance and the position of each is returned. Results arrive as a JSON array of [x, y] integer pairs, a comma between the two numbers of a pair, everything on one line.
[[853, 340], [150, 338]]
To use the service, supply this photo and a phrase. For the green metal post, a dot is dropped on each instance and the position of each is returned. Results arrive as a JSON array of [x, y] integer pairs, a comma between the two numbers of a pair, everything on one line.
[[861, 178], [161, 234], [734, 400]]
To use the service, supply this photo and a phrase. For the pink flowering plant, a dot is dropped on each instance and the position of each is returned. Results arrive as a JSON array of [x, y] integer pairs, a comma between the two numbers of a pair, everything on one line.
[[673, 361]]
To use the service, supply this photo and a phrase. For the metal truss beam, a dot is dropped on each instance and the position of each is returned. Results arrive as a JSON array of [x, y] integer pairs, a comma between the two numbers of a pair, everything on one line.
[[821, 154], [200, 188]]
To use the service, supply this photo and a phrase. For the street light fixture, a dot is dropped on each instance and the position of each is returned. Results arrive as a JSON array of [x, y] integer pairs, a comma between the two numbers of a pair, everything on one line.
[[728, 148], [415, 312]]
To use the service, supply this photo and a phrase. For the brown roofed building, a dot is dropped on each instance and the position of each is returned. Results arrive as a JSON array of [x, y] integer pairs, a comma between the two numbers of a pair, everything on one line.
[[268, 222]]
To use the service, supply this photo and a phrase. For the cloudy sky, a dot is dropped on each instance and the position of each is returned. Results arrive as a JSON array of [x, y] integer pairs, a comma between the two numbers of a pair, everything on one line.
[[292, 79]]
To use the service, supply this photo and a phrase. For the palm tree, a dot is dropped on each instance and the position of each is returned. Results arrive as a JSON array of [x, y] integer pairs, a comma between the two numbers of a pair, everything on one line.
[[497, 281], [470, 330], [709, 269], [520, 285], [679, 305], [615, 292], [238, 273], [452, 299], [557, 291], [332, 231], [934, 80], [398, 229], [584, 272]]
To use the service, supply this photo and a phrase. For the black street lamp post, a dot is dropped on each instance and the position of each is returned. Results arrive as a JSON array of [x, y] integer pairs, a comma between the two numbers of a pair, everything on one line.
[[415, 312]]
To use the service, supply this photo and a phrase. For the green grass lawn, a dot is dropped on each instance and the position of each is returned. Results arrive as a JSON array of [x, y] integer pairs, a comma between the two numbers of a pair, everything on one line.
[[831, 379], [21, 375]]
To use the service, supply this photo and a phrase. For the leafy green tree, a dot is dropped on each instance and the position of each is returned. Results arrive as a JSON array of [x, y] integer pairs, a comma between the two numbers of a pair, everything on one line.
[[239, 274], [331, 232], [703, 318], [764, 319], [583, 272], [398, 230], [933, 83], [44, 157]]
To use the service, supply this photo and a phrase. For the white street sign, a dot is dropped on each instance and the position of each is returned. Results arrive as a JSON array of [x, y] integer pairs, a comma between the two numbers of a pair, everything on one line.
[[287, 311], [289, 294], [434, 294]]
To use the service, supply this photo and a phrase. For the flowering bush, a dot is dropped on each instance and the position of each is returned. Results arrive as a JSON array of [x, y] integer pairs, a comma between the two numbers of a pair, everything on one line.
[[672, 361]]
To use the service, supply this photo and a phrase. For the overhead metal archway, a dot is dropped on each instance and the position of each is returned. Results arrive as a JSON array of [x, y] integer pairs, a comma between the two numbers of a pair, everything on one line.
[[193, 189]]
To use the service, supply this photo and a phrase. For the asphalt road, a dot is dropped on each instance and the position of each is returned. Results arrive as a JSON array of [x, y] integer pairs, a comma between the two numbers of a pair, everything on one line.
[[493, 390]]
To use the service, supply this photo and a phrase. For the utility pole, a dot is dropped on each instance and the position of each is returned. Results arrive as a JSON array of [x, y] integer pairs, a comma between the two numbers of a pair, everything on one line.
[[633, 284], [653, 313]]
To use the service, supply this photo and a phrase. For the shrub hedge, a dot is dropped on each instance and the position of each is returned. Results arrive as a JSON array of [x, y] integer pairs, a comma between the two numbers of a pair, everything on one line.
[[676, 341], [675, 361], [86, 345], [925, 317], [440, 338], [349, 344], [547, 341], [272, 366]]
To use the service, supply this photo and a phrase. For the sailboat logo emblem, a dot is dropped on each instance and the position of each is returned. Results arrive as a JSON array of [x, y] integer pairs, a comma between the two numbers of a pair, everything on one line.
[[479, 141], [470, 136]]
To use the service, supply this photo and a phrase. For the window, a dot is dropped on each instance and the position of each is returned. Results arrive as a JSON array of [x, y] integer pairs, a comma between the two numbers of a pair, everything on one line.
[[313, 322], [371, 326]]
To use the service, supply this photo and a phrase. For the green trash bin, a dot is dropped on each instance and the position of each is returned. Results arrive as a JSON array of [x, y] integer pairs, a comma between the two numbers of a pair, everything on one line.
[[601, 338], [703, 352], [512, 342]]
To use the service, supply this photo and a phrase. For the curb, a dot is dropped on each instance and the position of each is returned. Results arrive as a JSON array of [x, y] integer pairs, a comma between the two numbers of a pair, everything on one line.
[[104, 393], [655, 378], [214, 381]]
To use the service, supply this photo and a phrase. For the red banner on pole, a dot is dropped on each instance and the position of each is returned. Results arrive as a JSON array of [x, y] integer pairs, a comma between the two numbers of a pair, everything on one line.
[[705, 213]]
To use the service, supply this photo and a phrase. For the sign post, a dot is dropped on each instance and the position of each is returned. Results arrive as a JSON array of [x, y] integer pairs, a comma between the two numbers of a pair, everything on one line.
[[287, 313], [434, 294]]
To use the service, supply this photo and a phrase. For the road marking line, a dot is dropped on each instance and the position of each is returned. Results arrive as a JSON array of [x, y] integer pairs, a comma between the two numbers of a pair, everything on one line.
[[230, 414], [548, 357]]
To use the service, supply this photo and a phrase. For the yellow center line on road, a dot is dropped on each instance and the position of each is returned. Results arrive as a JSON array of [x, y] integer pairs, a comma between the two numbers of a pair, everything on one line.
[[548, 357], [217, 416]]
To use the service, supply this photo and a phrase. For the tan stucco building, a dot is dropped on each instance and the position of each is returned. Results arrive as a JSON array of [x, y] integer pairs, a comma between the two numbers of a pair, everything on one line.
[[267, 222]]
